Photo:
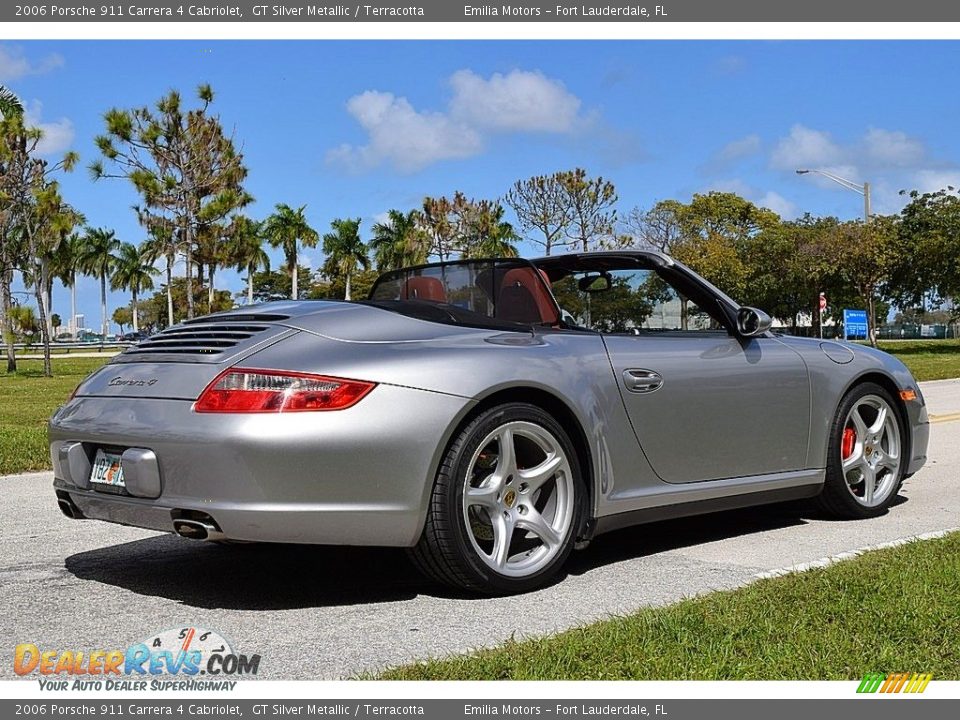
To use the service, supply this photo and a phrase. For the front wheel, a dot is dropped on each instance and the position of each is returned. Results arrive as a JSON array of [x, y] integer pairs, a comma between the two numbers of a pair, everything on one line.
[[865, 462], [506, 504]]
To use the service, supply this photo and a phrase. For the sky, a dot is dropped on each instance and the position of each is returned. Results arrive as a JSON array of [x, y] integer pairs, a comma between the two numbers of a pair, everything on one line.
[[352, 129]]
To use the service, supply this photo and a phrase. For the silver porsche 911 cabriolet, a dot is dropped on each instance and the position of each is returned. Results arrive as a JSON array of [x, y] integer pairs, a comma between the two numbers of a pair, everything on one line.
[[489, 415]]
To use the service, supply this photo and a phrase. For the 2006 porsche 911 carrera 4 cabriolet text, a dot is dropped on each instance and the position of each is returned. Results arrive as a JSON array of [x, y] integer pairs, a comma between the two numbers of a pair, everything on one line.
[[487, 414]]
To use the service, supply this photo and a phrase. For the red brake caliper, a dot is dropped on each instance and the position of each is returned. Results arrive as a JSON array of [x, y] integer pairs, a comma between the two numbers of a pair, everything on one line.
[[846, 445]]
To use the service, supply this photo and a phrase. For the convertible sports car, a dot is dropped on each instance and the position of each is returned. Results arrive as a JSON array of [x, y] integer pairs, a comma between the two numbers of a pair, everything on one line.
[[489, 415]]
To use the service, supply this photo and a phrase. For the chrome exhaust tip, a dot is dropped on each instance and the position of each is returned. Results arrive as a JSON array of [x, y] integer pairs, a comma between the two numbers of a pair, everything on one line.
[[66, 509], [196, 530]]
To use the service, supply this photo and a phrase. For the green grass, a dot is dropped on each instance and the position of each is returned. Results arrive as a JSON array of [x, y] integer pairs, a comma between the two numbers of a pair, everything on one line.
[[927, 359], [885, 611], [27, 399]]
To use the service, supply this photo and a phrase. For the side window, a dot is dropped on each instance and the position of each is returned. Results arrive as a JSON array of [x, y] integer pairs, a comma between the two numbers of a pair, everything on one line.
[[634, 301]]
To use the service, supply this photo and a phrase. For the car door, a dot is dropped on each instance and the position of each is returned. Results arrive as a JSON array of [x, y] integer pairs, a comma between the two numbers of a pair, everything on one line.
[[710, 406], [704, 404]]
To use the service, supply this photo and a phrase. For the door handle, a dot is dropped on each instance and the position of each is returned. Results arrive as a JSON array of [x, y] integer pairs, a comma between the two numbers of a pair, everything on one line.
[[639, 380]]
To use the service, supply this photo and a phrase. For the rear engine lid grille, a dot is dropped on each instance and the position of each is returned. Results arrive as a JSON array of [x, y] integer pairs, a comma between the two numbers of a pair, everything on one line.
[[199, 339], [236, 317], [206, 340]]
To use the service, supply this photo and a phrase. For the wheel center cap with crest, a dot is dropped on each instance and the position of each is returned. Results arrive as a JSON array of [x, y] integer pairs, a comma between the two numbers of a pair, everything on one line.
[[510, 498]]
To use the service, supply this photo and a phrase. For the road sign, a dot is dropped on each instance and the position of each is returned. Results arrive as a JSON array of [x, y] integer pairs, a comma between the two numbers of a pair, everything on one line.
[[854, 324], [823, 302]]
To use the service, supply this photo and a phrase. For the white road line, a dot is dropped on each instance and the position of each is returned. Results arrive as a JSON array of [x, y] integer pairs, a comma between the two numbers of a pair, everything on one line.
[[847, 555]]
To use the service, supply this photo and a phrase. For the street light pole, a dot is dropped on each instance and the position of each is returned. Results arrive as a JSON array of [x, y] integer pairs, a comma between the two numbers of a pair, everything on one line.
[[849, 185], [867, 214]]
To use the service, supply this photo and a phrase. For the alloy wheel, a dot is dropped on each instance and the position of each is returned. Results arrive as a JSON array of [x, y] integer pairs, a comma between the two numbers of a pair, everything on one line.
[[870, 450], [518, 499]]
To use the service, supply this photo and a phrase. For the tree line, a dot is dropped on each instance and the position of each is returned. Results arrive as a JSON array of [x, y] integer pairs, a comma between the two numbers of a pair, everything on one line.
[[189, 176]]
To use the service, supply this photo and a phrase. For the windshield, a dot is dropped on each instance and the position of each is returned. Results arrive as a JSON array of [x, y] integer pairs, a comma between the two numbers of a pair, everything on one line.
[[484, 293]]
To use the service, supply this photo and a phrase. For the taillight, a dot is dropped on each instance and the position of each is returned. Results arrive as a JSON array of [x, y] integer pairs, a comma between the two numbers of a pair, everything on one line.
[[269, 391]]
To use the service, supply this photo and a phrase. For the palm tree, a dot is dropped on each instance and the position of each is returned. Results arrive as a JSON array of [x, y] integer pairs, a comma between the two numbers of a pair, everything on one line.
[[400, 241], [24, 320], [345, 251], [210, 253], [98, 258], [134, 271], [488, 234], [10, 104], [163, 244], [65, 267], [288, 229], [245, 250]]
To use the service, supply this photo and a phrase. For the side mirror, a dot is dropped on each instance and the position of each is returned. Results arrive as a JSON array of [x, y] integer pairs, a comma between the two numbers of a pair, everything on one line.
[[594, 283], [752, 322]]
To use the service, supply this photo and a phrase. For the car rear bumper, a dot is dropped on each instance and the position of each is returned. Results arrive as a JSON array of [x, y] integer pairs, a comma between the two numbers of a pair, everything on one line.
[[359, 476]]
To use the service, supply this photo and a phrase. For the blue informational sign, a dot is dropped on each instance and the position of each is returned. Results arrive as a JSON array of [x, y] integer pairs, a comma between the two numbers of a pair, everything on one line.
[[854, 324]]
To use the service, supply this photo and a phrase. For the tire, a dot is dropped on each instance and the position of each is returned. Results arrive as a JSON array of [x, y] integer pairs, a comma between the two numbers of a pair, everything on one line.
[[536, 500], [845, 492]]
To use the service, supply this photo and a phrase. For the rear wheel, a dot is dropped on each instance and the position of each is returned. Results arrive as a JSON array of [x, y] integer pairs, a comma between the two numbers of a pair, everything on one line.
[[506, 504], [865, 462]]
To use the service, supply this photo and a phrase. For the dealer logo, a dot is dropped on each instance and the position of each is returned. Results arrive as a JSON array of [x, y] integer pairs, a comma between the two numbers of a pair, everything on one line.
[[894, 683], [185, 651]]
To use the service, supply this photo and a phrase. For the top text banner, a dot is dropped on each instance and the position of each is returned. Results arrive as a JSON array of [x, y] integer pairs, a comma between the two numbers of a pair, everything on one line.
[[457, 11]]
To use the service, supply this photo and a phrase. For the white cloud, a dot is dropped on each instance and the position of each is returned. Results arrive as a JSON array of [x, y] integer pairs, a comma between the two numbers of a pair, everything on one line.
[[933, 180], [399, 134], [779, 204], [890, 160], [734, 151], [770, 199], [15, 65], [520, 101], [409, 139], [878, 151], [749, 145], [892, 148], [57, 136], [805, 147], [380, 218]]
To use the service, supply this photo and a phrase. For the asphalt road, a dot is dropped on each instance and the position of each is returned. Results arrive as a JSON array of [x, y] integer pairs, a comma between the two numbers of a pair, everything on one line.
[[319, 613]]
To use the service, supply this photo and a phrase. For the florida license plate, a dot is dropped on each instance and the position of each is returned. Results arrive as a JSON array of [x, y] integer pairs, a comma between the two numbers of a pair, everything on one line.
[[107, 469]]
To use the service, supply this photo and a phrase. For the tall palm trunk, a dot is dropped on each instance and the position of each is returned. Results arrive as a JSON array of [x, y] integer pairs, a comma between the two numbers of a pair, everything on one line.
[[170, 261], [211, 271], [47, 280], [6, 303], [73, 306], [294, 290], [346, 294], [189, 258], [250, 285], [136, 321], [103, 306], [38, 292]]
